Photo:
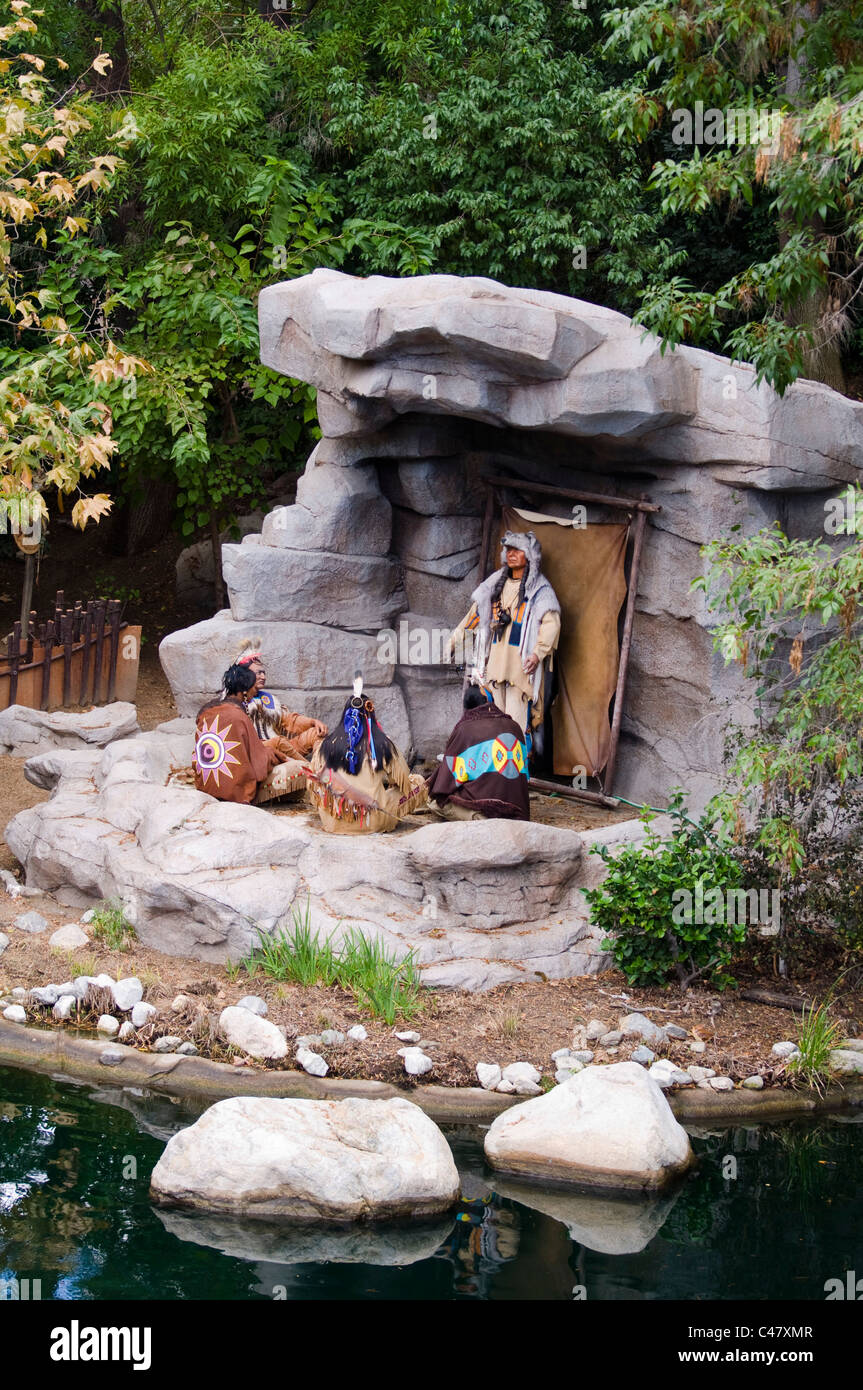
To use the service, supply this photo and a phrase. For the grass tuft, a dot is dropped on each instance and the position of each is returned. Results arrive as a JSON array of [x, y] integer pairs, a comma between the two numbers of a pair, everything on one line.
[[817, 1035], [387, 986], [110, 926]]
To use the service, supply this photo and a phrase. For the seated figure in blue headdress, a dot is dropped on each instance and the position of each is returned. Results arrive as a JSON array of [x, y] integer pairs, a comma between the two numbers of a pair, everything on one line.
[[359, 780]]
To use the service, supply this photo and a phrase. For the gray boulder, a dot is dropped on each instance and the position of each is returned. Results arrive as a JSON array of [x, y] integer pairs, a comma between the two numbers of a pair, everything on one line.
[[337, 509], [607, 1127], [306, 1160], [26, 732]]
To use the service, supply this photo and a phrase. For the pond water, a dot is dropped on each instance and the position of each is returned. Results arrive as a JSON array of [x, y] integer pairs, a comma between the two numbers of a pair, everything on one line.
[[769, 1213]]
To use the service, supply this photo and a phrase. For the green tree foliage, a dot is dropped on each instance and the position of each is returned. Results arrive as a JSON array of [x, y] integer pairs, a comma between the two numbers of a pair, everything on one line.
[[790, 614], [483, 129], [790, 308]]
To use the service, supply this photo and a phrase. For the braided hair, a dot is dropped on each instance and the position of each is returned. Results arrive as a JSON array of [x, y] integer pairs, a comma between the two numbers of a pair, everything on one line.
[[503, 620], [357, 737]]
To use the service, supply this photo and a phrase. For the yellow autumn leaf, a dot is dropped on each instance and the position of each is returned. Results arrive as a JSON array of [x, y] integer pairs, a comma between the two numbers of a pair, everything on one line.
[[102, 63], [61, 190], [61, 64], [38, 63], [90, 509], [17, 208], [74, 225], [94, 178]]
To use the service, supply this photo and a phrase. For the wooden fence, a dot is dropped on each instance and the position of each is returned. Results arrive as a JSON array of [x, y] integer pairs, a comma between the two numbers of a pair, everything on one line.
[[83, 655]]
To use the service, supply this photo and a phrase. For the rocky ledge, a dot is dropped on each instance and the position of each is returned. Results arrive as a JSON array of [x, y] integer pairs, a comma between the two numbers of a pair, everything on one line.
[[480, 903]]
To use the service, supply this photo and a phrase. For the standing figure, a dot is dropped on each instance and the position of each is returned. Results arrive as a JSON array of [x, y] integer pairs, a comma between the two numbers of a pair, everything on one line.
[[269, 715], [516, 614], [358, 779], [231, 761]]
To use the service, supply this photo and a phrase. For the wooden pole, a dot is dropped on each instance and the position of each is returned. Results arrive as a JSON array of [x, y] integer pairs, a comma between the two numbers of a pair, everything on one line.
[[27, 595], [623, 663], [487, 521], [99, 634], [536, 784], [626, 504], [46, 663], [68, 619], [114, 624], [86, 627], [14, 655]]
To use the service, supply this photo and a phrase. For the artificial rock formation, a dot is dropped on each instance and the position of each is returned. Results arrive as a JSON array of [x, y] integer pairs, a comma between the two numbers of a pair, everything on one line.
[[480, 904], [426, 384]]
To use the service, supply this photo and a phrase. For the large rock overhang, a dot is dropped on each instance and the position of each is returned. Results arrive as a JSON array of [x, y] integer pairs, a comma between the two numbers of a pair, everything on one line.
[[436, 379]]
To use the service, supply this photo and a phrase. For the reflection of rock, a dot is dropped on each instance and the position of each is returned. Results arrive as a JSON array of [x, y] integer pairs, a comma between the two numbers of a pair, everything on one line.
[[290, 1244], [606, 1224], [309, 1160], [159, 1116]]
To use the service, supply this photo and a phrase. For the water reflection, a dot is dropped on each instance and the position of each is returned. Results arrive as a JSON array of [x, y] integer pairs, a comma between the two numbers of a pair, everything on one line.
[[272, 1243], [611, 1226], [768, 1213]]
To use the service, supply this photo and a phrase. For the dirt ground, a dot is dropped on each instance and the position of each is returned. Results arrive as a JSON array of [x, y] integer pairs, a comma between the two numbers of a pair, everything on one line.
[[517, 1022]]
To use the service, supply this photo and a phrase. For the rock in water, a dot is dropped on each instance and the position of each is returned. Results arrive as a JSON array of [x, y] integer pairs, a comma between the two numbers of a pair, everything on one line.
[[607, 1127], [256, 1036], [309, 1160]]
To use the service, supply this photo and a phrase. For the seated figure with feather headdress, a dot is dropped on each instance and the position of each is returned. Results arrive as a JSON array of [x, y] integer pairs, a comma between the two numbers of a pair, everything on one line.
[[269, 716], [358, 780]]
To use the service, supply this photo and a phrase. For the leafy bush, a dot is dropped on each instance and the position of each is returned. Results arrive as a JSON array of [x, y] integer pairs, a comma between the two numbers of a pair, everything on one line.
[[641, 905]]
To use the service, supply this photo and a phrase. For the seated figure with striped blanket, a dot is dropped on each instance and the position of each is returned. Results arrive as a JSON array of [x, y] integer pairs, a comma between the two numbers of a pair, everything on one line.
[[483, 773], [358, 780]]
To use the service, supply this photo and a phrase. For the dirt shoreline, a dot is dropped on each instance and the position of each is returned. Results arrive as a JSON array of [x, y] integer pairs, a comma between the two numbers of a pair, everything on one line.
[[65, 1056]]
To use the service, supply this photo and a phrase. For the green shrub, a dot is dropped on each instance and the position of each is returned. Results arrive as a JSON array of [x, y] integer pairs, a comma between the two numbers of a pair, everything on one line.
[[641, 907], [111, 927]]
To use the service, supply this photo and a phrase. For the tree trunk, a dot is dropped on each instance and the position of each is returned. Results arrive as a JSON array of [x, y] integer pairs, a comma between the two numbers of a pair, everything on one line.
[[823, 360], [107, 21], [27, 595], [278, 12], [218, 581]]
